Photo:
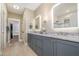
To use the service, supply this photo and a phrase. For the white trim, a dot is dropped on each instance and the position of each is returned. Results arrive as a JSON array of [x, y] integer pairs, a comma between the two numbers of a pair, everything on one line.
[[13, 19]]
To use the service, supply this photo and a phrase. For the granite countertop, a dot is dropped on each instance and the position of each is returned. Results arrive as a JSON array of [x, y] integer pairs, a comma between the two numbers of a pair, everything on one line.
[[74, 38]]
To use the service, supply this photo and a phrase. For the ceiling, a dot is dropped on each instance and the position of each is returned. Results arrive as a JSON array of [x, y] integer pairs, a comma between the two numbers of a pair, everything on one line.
[[22, 6]]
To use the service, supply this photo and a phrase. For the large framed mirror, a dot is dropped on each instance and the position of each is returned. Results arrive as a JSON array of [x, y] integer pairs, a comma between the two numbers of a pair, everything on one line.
[[37, 23], [65, 15]]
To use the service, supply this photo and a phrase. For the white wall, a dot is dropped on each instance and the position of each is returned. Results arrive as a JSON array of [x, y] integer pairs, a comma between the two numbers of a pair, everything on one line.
[[45, 10], [27, 17], [3, 24]]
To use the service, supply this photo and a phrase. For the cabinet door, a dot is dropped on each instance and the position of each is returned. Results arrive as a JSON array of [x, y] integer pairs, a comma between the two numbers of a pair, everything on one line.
[[47, 46], [38, 44], [29, 39], [39, 51], [66, 48], [39, 41], [34, 44], [30, 42]]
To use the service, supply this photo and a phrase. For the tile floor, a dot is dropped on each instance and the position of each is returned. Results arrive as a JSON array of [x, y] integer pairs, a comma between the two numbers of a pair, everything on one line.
[[18, 49]]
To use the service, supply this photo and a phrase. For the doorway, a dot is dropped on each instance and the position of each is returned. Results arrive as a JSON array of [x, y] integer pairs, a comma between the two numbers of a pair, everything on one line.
[[14, 30], [11, 31]]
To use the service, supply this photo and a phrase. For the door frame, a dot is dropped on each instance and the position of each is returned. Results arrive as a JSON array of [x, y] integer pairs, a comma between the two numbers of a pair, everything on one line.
[[13, 19]]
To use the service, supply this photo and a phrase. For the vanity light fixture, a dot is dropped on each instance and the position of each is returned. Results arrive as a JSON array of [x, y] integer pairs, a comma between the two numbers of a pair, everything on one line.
[[16, 7]]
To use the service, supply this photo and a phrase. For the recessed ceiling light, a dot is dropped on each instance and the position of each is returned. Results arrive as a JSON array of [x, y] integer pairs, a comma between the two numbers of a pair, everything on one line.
[[16, 7]]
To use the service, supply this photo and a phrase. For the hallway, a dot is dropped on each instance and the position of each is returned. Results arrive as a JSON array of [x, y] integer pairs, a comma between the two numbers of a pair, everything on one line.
[[18, 49]]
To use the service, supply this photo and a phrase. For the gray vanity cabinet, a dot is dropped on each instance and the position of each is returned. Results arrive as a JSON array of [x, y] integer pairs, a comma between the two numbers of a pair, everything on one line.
[[67, 48], [35, 42], [29, 40], [44, 45], [39, 41], [39, 45], [48, 45]]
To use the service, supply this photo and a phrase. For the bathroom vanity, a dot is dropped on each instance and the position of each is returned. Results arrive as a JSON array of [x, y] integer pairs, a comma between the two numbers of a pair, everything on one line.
[[53, 45], [57, 44]]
